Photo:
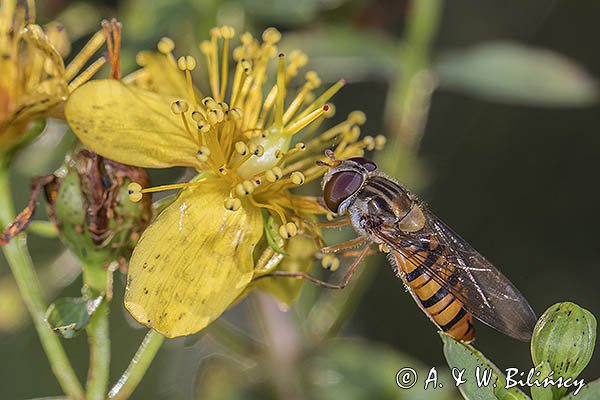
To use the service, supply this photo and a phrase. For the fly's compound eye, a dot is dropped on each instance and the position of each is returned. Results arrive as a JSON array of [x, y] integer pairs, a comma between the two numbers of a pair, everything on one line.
[[340, 186], [365, 163]]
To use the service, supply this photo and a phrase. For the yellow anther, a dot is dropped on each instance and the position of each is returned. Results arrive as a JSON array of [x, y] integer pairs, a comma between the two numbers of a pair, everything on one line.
[[227, 32], [297, 178], [313, 78], [246, 38], [209, 103], [223, 106], [384, 248], [203, 126], [245, 188], [353, 134], [141, 59], [205, 47], [300, 146], [271, 35], [232, 203], [203, 153], [330, 262], [213, 116], [298, 58], [238, 53], [380, 142], [197, 116], [279, 153], [235, 114], [223, 170], [256, 149], [273, 174], [215, 32], [331, 112], [165, 45], [357, 117], [246, 65], [369, 142], [134, 190], [186, 63], [257, 180], [179, 106], [288, 230], [241, 148]]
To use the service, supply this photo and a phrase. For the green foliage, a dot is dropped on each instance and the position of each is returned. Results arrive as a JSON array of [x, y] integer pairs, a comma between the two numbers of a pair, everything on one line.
[[561, 347], [337, 369], [465, 357], [69, 315], [514, 73]]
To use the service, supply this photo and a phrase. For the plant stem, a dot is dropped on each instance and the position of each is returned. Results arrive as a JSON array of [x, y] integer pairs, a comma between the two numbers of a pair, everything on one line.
[[42, 228], [414, 86], [18, 258], [95, 278], [137, 367]]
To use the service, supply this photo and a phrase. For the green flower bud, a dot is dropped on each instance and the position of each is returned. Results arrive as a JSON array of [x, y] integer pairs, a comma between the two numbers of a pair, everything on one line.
[[89, 205], [564, 337]]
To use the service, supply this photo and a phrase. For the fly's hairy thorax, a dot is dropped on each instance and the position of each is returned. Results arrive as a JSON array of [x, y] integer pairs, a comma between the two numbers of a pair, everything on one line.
[[383, 202]]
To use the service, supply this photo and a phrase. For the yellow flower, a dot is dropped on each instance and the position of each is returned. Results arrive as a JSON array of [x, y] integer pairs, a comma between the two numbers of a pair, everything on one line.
[[33, 77], [228, 225]]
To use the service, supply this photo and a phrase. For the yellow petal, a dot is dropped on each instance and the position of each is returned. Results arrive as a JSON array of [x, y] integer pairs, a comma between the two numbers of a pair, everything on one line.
[[192, 262], [130, 125], [161, 75]]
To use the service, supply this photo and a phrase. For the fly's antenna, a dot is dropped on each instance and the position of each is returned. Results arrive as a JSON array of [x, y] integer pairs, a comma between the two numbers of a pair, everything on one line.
[[331, 156]]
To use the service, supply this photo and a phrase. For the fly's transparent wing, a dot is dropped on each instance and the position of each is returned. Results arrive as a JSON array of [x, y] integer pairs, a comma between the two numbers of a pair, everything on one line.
[[466, 274]]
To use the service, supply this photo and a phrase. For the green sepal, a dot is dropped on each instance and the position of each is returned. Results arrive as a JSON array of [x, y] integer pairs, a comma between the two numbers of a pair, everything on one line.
[[69, 315]]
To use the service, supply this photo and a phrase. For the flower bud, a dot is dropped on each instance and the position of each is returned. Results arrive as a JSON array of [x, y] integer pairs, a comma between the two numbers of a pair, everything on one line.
[[564, 337], [89, 204]]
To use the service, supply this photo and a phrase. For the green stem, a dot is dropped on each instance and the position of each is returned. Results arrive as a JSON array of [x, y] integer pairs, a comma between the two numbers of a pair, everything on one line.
[[137, 367], [414, 87], [42, 228], [95, 278], [18, 258]]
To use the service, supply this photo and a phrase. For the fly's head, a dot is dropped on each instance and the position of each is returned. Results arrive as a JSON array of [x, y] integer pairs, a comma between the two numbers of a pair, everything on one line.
[[343, 180]]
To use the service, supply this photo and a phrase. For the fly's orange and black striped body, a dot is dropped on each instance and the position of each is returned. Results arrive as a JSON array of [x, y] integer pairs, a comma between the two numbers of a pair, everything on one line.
[[449, 280]]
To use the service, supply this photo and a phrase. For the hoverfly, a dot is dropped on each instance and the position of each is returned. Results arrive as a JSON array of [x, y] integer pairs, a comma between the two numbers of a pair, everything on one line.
[[449, 280]]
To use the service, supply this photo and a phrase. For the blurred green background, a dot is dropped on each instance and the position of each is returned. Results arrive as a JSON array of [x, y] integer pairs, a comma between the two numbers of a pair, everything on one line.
[[508, 157]]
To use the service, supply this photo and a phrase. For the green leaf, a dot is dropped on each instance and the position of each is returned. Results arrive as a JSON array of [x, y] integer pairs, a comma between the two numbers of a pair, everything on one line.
[[540, 392], [343, 369], [564, 337], [590, 391], [275, 241], [68, 316], [513, 73], [464, 357]]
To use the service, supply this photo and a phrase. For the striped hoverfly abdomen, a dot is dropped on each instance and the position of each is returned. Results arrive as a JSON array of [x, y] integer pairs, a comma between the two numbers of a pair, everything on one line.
[[449, 280]]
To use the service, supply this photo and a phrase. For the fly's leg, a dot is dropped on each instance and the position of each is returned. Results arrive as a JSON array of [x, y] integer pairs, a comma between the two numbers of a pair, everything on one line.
[[303, 275], [334, 224], [346, 245]]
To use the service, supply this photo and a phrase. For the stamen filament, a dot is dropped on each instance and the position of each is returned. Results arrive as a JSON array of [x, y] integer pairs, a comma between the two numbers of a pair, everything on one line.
[[296, 103], [187, 128], [85, 54], [280, 92], [172, 186], [87, 74], [224, 68], [276, 209], [301, 123], [322, 99]]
